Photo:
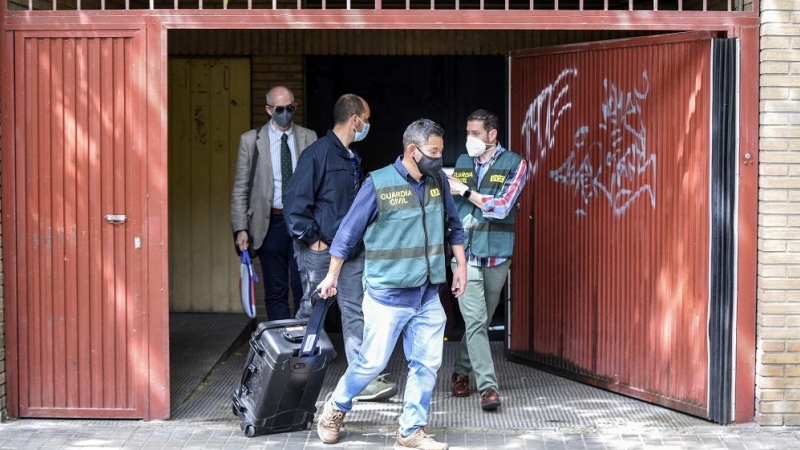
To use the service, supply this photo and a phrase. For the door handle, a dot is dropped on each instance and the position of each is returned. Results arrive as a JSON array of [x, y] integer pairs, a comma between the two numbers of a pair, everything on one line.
[[116, 219]]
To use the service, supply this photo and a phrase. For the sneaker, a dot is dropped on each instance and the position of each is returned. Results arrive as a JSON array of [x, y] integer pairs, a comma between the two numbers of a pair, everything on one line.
[[330, 422], [377, 390], [418, 439]]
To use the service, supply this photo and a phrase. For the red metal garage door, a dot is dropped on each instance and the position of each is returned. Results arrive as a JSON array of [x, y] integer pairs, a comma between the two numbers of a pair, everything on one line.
[[630, 201], [73, 200]]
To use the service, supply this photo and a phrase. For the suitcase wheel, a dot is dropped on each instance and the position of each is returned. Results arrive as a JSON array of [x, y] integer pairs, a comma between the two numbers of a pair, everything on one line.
[[309, 424], [249, 431]]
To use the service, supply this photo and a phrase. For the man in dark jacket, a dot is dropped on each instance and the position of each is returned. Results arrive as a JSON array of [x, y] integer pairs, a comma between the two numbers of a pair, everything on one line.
[[323, 187]]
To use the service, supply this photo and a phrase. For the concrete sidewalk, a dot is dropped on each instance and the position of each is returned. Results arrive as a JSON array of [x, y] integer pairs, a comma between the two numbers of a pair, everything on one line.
[[539, 411], [75, 434]]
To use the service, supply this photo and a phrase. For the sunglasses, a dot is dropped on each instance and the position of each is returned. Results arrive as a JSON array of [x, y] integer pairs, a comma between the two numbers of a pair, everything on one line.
[[280, 109]]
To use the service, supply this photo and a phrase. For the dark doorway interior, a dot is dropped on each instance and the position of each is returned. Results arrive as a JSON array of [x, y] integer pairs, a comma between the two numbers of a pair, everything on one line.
[[399, 90]]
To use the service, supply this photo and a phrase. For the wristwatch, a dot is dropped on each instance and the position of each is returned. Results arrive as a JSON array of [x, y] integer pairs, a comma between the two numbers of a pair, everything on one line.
[[467, 193]]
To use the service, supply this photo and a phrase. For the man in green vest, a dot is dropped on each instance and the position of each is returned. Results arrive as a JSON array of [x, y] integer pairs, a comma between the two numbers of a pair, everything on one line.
[[400, 214], [486, 184]]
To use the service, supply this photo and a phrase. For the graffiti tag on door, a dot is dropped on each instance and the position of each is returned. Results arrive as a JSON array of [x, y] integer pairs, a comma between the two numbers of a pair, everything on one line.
[[608, 160]]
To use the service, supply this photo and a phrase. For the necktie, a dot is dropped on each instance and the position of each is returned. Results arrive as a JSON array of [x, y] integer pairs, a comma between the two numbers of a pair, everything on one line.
[[286, 165]]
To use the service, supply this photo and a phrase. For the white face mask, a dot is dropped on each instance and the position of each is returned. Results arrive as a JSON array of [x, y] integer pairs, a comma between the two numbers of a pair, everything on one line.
[[475, 146], [360, 135]]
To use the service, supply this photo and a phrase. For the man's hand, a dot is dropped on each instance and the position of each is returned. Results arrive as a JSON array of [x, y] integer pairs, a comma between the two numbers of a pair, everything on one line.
[[328, 286], [242, 240], [456, 187], [459, 280], [460, 274]]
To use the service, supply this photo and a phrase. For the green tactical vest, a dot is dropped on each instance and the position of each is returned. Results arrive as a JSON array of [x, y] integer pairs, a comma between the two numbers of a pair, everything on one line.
[[405, 244], [487, 237]]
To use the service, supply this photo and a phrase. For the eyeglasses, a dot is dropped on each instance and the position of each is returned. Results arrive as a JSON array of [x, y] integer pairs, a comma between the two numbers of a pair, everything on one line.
[[280, 109]]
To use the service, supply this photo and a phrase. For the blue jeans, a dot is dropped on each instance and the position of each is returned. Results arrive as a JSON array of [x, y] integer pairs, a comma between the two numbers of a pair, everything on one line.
[[278, 269], [313, 266], [423, 337]]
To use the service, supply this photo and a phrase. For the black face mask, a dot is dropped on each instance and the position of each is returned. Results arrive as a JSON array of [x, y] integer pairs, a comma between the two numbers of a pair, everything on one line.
[[429, 166], [283, 118]]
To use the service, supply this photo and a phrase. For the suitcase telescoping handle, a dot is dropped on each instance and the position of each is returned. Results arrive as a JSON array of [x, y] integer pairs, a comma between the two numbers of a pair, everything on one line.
[[321, 306]]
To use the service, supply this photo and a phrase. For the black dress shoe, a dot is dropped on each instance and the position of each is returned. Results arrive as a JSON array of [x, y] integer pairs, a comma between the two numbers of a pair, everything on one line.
[[490, 400]]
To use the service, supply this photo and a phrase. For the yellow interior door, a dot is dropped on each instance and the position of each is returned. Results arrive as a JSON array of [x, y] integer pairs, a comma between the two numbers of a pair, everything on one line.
[[209, 108]]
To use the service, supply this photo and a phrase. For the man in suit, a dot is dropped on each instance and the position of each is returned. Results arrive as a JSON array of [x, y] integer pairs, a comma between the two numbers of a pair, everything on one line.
[[265, 163]]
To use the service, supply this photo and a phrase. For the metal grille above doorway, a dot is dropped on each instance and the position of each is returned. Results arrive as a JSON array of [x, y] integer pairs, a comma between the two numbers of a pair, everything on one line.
[[512, 5]]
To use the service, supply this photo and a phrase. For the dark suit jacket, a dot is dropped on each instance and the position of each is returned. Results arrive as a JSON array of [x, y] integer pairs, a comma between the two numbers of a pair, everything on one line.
[[251, 212]]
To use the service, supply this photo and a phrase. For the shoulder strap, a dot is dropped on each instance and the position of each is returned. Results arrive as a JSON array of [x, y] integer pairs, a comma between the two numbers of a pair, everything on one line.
[[440, 184], [448, 252]]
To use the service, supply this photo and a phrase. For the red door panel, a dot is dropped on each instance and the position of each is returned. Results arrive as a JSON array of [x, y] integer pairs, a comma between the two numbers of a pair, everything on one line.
[[76, 346], [611, 275]]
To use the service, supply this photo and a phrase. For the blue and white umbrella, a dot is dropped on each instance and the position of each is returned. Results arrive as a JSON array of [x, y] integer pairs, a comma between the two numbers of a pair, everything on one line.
[[247, 288]]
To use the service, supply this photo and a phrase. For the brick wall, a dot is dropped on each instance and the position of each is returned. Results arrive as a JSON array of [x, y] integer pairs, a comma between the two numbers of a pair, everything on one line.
[[269, 71], [778, 307], [3, 404]]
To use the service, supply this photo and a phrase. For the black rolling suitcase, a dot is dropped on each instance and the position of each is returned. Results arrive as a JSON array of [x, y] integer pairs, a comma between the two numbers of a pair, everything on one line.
[[283, 374]]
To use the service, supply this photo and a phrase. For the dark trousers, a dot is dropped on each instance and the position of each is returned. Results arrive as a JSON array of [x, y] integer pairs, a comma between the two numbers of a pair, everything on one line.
[[279, 269]]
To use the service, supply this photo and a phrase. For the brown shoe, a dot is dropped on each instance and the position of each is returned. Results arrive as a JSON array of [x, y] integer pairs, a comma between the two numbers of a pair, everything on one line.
[[330, 422], [419, 439], [460, 385], [490, 400]]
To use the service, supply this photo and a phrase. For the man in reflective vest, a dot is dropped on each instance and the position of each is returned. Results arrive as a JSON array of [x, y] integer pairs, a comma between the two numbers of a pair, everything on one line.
[[400, 215], [487, 182]]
